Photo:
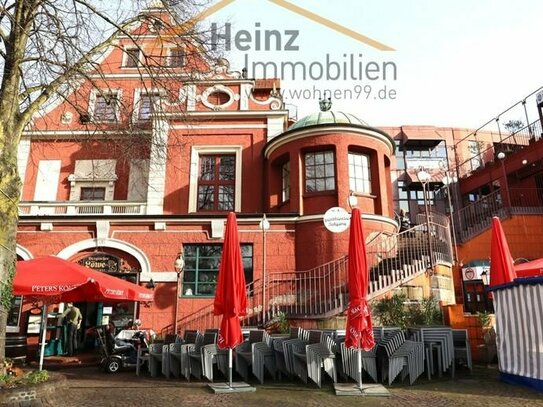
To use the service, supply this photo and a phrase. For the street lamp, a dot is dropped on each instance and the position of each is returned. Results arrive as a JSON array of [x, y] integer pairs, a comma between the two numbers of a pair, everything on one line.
[[424, 178], [178, 265], [264, 226], [352, 200], [447, 181], [485, 276], [501, 157]]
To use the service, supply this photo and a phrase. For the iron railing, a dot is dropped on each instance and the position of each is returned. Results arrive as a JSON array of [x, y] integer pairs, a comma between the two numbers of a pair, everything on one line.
[[506, 143], [477, 217], [322, 292], [526, 200]]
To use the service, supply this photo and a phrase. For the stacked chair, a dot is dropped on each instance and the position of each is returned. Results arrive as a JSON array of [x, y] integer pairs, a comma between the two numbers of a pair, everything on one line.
[[301, 364], [155, 358], [438, 340], [177, 352], [462, 349], [244, 353], [320, 356], [196, 362], [349, 357], [399, 355], [278, 349]]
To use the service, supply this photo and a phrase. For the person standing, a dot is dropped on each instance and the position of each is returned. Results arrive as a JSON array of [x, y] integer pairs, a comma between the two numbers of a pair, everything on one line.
[[71, 317]]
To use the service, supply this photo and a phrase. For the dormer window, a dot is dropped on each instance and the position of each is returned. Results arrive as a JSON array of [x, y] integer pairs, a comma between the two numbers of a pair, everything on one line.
[[93, 180], [131, 58]]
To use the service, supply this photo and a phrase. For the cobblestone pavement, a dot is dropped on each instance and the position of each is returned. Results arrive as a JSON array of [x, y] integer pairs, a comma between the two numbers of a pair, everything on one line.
[[90, 387]]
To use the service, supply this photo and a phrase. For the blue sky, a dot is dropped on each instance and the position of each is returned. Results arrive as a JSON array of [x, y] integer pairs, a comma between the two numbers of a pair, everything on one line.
[[458, 63]]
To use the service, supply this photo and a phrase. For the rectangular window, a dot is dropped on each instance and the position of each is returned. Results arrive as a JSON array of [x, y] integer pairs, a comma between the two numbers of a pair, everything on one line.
[[474, 148], [177, 57], [92, 194], [285, 181], [105, 107], [359, 173], [132, 58], [148, 104], [216, 182], [14, 313], [320, 171], [202, 268]]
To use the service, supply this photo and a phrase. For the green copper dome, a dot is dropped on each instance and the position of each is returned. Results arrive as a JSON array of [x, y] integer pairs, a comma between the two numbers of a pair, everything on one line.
[[327, 116]]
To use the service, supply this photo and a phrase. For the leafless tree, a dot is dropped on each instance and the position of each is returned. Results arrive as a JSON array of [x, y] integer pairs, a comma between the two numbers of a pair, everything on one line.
[[48, 48]]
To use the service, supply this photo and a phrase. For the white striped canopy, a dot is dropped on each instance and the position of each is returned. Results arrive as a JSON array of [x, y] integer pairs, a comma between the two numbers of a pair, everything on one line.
[[519, 328]]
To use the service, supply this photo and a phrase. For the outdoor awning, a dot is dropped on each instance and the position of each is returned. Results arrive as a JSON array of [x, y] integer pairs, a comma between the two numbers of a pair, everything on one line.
[[426, 136], [435, 174]]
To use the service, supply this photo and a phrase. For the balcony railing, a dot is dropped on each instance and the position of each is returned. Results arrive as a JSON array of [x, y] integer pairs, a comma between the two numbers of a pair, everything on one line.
[[508, 144], [477, 217], [70, 208]]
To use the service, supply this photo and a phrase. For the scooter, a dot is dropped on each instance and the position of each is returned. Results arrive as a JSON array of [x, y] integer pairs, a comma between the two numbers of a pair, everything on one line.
[[118, 354]]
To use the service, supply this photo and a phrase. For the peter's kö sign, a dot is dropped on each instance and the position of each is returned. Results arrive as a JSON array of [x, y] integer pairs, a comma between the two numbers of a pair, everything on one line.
[[52, 288], [337, 219]]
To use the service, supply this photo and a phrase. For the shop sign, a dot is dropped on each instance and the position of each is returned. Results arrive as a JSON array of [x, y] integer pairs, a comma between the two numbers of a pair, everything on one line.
[[103, 262], [337, 219]]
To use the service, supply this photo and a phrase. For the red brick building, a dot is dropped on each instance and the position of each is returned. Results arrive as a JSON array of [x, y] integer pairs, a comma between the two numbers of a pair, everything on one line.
[[124, 175]]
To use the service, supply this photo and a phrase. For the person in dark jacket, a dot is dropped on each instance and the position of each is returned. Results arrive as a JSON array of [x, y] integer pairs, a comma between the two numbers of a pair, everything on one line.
[[71, 317]]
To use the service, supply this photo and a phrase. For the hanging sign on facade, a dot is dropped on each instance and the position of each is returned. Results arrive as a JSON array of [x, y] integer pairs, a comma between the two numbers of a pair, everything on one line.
[[337, 219], [103, 262]]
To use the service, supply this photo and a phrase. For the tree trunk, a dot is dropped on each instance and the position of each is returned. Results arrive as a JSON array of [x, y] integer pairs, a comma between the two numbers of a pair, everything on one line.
[[10, 188]]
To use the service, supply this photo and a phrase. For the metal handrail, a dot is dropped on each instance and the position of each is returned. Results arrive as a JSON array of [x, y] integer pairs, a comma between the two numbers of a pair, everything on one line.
[[393, 260], [516, 141]]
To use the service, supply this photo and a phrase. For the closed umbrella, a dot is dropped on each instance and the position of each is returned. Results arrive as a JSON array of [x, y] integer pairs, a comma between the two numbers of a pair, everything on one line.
[[502, 270], [359, 330], [230, 295], [52, 279]]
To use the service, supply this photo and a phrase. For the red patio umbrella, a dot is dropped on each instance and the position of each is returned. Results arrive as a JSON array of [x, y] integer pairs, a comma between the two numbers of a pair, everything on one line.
[[66, 281], [502, 270], [530, 269], [230, 296], [53, 279], [359, 330]]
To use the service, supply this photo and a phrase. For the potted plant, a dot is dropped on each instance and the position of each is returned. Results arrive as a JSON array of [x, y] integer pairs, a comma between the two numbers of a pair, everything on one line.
[[489, 336]]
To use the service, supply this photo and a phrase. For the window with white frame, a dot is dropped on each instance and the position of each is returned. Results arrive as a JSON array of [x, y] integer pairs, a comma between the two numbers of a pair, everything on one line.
[[131, 58], [216, 182], [359, 173], [147, 105], [93, 180], [215, 178], [105, 106], [93, 194], [202, 268], [14, 314], [176, 57], [285, 181], [320, 173]]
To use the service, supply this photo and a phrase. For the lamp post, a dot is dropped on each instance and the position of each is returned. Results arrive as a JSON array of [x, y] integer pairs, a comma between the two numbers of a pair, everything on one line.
[[485, 276], [447, 181], [424, 179], [501, 157], [178, 265], [264, 226], [352, 200]]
